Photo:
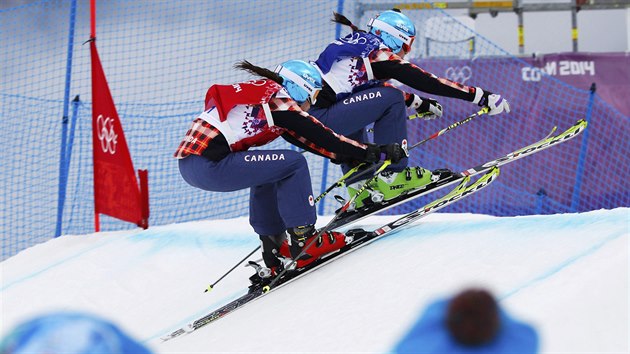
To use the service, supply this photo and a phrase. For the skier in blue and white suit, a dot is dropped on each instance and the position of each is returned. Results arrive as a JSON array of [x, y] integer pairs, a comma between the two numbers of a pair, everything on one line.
[[355, 69]]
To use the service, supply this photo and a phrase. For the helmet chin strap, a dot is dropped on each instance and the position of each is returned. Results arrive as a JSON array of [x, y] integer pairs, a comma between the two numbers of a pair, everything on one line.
[[306, 105]]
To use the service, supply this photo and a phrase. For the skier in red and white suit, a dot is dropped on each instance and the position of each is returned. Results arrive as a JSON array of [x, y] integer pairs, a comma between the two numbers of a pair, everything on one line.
[[214, 155]]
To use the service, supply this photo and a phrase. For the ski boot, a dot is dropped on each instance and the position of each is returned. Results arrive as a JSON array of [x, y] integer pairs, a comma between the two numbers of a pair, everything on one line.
[[301, 237], [273, 265], [389, 185]]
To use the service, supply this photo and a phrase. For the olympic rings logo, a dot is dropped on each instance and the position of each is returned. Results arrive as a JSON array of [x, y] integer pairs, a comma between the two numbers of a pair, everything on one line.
[[356, 39], [106, 134], [458, 74]]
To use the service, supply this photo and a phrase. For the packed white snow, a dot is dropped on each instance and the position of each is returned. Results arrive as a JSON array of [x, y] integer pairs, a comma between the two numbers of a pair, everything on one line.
[[565, 274]]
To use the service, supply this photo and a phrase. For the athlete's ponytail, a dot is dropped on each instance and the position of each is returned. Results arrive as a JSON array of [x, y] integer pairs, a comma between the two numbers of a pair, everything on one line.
[[339, 18], [256, 70]]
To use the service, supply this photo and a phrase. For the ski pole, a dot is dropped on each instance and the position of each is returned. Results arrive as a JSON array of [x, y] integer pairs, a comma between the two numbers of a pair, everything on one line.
[[340, 182], [209, 288], [484, 110], [419, 115], [352, 172], [275, 280]]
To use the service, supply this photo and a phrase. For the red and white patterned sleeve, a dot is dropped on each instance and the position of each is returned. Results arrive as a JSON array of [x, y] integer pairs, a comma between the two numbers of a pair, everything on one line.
[[305, 131], [387, 65]]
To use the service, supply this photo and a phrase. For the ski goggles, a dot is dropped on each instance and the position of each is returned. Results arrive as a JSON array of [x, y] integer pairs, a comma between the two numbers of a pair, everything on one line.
[[384, 26]]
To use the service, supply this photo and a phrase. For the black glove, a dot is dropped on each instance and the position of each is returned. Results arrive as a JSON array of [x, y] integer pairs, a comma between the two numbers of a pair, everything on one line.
[[393, 152], [426, 108]]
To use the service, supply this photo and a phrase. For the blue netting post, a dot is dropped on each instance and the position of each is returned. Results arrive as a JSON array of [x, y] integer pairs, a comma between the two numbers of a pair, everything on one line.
[[575, 199], [323, 187], [63, 164], [338, 25], [75, 113]]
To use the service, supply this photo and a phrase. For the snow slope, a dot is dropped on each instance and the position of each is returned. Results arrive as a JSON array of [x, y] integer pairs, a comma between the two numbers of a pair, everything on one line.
[[565, 274]]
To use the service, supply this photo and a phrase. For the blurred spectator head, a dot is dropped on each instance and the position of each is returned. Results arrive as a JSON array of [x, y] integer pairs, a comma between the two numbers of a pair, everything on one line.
[[473, 317], [69, 333], [470, 322]]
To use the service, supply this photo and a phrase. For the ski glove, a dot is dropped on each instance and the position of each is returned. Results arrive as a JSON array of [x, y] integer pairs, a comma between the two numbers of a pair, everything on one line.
[[394, 152], [493, 101], [426, 108]]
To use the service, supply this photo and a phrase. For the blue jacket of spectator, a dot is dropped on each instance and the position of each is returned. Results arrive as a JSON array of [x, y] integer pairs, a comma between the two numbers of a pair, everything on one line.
[[430, 335]]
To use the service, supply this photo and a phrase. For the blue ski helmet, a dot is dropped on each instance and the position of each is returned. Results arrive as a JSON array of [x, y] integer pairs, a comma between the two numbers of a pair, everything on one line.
[[300, 79], [70, 332], [395, 30]]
